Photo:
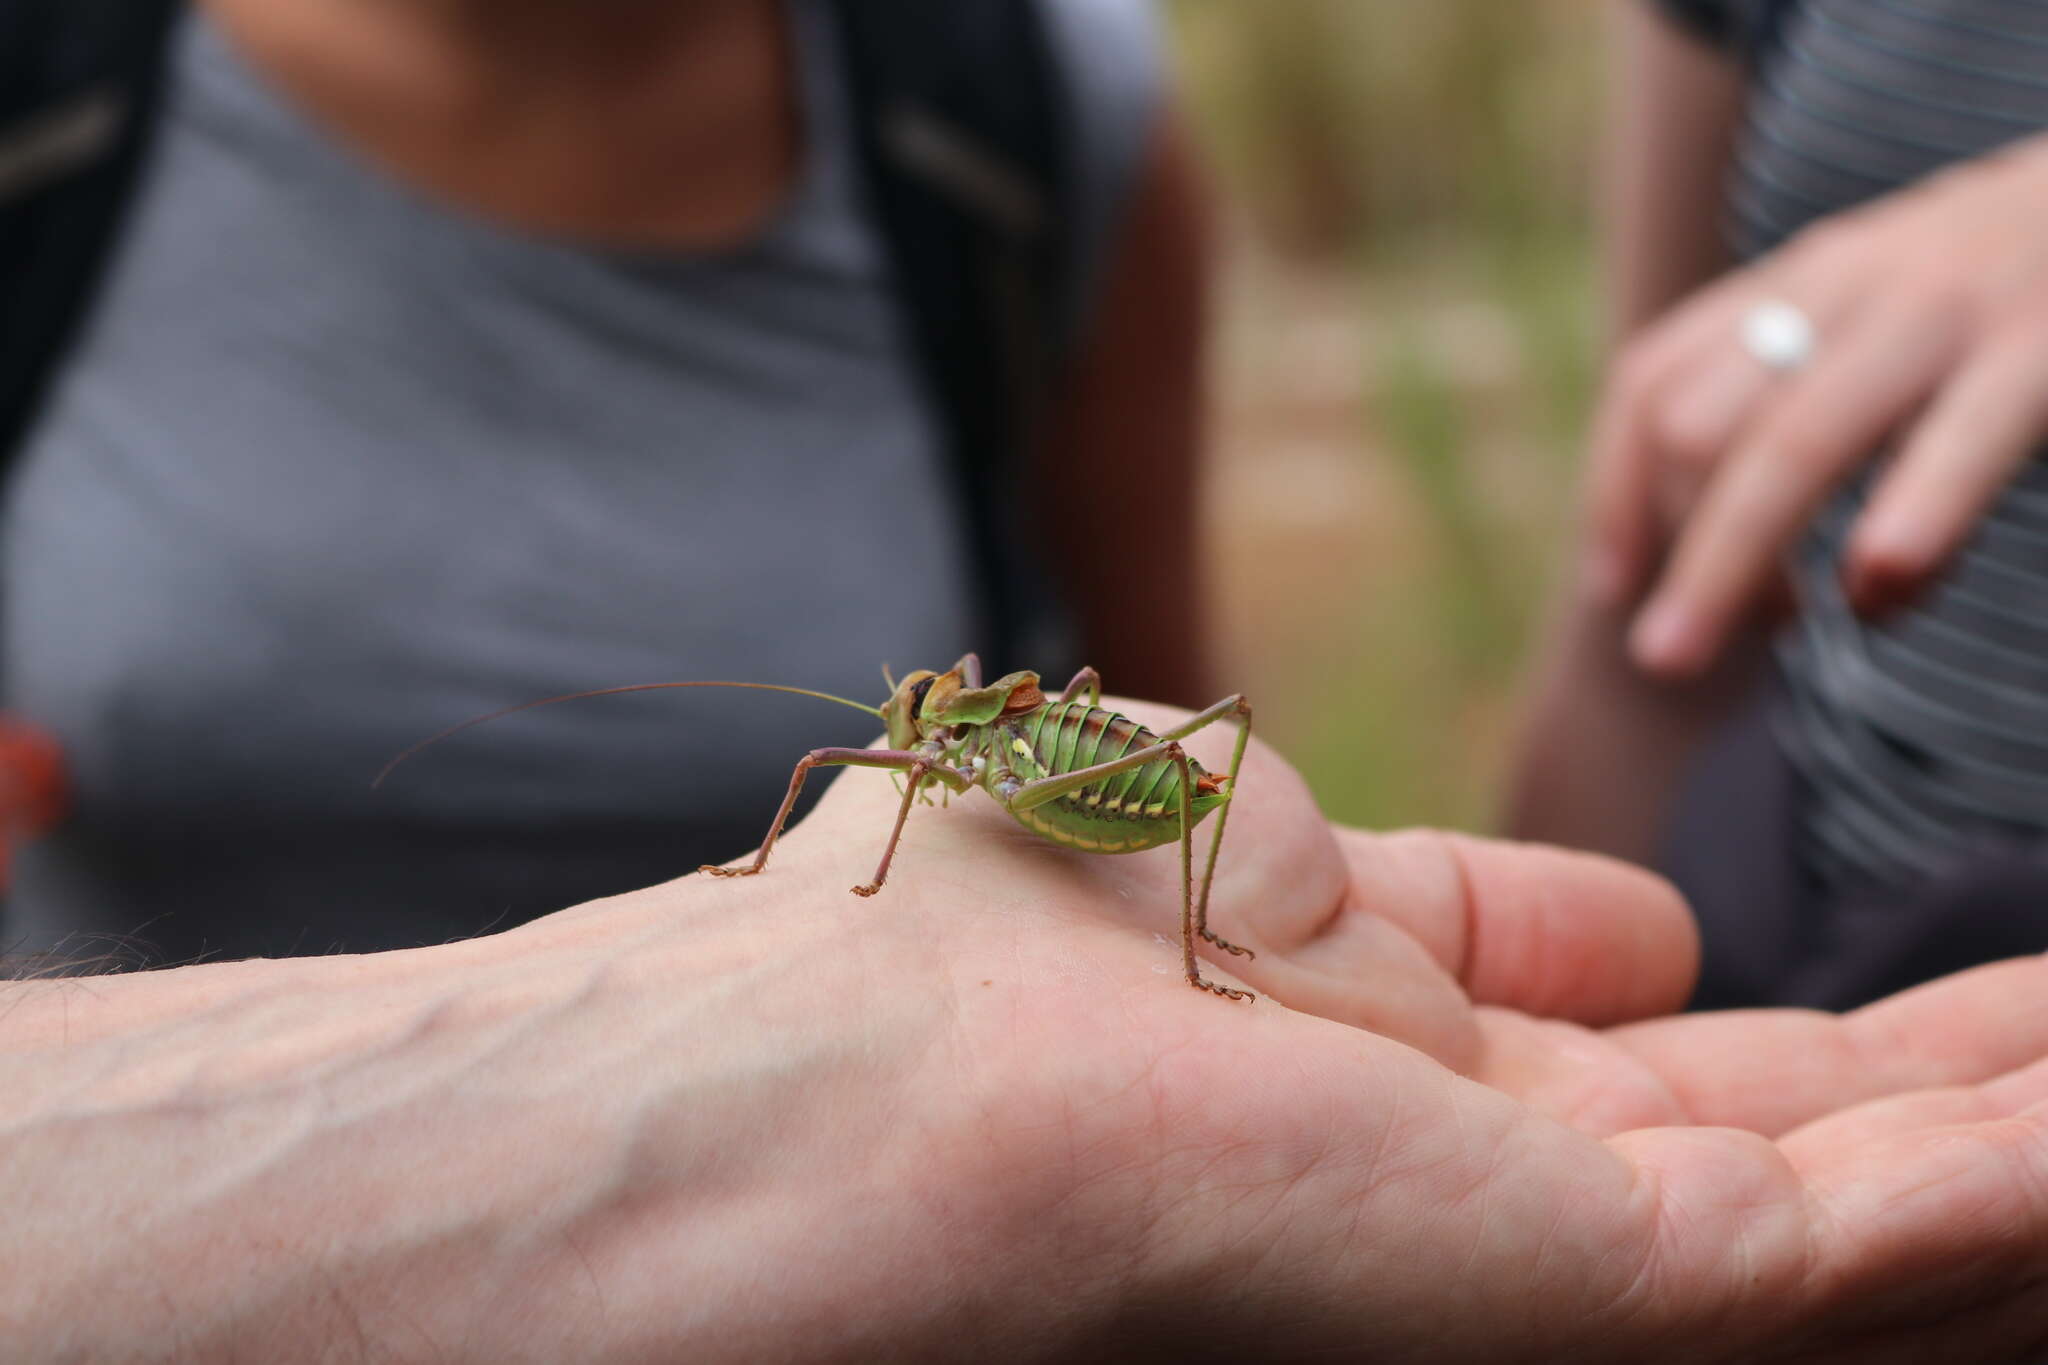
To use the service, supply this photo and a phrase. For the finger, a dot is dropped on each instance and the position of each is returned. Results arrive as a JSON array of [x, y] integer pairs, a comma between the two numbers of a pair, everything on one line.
[[1620, 517], [1572, 1074], [1772, 1070], [1362, 963], [1658, 1243], [1700, 417], [1822, 421], [1597, 1084], [1543, 930], [1366, 972], [1715, 393], [1624, 534], [1986, 422], [1938, 1238], [1680, 393], [1929, 1245], [1896, 1115]]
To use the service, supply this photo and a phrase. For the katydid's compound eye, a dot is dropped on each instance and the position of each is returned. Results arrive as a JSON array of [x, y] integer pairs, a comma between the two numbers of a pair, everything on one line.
[[917, 695]]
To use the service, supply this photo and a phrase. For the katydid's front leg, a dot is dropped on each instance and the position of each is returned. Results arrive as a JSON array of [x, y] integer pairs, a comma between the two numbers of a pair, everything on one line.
[[1024, 796], [902, 760], [1232, 705], [918, 768]]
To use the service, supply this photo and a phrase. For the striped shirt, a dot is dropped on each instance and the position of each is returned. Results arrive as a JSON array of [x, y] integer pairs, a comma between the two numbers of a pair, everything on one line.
[[1924, 740]]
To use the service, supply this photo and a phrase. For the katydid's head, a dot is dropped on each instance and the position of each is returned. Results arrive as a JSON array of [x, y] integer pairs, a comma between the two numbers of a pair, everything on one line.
[[899, 713], [925, 700]]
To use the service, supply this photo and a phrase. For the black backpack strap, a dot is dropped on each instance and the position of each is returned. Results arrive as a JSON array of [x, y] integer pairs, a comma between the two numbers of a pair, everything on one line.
[[1748, 28], [1767, 27], [963, 126], [79, 85]]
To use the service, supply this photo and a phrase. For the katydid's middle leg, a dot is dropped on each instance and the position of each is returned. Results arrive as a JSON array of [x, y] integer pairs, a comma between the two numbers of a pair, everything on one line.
[[1023, 796]]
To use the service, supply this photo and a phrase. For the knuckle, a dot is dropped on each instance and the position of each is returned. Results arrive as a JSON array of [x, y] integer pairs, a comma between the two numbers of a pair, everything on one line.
[[1686, 437], [1803, 444], [1938, 294], [1635, 373], [2020, 338], [1738, 543], [1830, 237]]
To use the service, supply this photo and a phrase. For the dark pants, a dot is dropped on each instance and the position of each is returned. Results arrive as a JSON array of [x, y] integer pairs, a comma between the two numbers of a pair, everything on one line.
[[1772, 936]]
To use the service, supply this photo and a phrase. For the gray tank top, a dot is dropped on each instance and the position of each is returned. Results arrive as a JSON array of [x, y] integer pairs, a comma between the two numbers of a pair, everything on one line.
[[1923, 742], [335, 466]]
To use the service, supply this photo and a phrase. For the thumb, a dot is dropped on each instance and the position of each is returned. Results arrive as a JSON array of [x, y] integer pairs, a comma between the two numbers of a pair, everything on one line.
[[1548, 931]]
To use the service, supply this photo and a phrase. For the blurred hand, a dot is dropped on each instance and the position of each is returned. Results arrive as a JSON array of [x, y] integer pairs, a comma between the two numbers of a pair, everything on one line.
[[1931, 311]]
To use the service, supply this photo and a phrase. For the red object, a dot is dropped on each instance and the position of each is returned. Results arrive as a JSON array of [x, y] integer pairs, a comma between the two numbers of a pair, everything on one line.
[[32, 788]]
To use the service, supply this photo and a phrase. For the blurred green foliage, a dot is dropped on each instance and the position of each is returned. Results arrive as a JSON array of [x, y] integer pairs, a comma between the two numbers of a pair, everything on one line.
[[1359, 124], [1430, 159]]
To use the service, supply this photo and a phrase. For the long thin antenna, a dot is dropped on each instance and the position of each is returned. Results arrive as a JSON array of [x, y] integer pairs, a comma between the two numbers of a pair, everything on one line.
[[431, 740]]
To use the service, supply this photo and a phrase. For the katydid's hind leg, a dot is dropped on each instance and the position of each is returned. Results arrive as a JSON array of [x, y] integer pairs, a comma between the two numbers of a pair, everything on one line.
[[1187, 886], [816, 758], [1086, 685], [1230, 706], [1023, 796], [914, 780], [969, 669], [1204, 932]]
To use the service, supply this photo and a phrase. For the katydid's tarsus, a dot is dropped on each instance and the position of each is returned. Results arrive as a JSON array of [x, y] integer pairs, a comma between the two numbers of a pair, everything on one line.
[[1066, 769]]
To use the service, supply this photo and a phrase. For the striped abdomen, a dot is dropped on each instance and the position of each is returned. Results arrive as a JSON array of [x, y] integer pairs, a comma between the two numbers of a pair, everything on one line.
[[1127, 811]]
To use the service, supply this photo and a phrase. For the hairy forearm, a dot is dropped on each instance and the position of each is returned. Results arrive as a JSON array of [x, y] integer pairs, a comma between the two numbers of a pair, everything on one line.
[[240, 1169], [580, 1141]]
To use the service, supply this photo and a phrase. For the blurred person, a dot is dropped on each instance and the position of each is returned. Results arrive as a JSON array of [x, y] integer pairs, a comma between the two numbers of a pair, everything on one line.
[[982, 1118], [422, 357], [1831, 296]]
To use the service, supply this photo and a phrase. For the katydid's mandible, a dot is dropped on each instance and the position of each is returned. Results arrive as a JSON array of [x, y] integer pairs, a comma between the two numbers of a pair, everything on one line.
[[1066, 769]]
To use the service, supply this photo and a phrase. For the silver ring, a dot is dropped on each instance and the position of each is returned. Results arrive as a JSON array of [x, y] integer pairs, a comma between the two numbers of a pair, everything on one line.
[[1778, 334]]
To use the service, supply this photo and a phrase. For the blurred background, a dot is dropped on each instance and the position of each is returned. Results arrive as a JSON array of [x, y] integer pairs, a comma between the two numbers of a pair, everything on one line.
[[1403, 362]]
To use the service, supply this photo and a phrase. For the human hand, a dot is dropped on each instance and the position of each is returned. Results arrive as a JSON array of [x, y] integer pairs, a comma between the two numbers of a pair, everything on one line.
[[981, 1116], [1101, 1162], [1930, 306]]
